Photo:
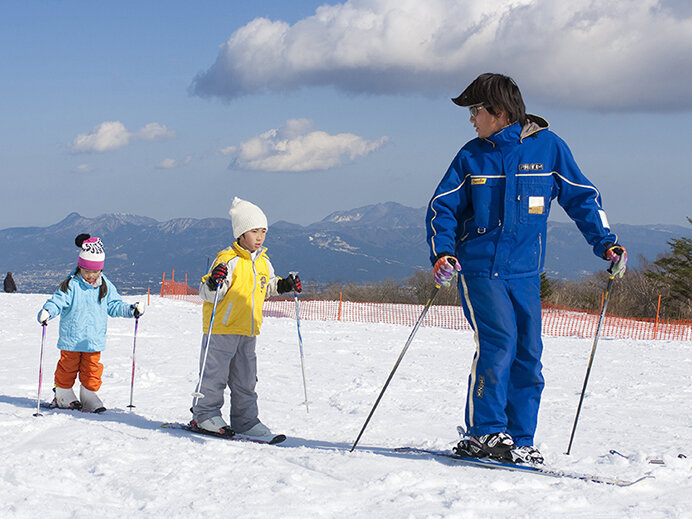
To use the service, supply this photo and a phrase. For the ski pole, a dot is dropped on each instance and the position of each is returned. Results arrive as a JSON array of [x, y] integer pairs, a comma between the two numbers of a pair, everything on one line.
[[300, 347], [132, 381], [396, 365], [197, 393], [593, 354], [40, 371]]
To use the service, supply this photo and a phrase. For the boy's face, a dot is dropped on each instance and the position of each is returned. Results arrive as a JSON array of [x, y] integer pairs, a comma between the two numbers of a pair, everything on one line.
[[252, 239]]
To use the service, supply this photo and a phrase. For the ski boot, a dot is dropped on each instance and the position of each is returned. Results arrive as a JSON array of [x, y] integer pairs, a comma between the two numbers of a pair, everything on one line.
[[259, 431], [91, 403], [527, 454], [497, 445], [65, 399], [214, 425]]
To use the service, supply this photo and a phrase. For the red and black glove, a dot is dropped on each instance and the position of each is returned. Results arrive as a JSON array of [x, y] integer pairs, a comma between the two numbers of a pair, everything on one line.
[[217, 276], [289, 284]]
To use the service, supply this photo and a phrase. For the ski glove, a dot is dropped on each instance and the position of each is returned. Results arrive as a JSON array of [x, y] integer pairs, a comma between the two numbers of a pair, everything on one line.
[[217, 276], [287, 284], [43, 316], [444, 269], [137, 310], [618, 257]]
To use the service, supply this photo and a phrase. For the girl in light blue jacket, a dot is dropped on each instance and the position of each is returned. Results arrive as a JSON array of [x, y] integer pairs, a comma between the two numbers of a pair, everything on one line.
[[84, 301]]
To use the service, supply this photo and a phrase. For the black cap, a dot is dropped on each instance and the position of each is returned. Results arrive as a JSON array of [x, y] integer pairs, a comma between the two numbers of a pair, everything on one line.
[[471, 96]]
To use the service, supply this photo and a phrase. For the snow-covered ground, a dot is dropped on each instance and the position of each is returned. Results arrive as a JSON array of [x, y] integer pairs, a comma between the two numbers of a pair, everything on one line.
[[123, 464]]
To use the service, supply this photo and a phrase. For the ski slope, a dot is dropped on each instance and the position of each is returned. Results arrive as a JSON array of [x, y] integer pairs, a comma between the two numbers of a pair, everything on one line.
[[123, 464]]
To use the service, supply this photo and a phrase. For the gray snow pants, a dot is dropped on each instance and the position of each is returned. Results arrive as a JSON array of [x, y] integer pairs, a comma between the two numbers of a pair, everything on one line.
[[231, 362]]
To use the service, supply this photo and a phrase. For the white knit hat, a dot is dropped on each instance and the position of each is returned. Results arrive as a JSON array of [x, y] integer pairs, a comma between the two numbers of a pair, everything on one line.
[[246, 216]]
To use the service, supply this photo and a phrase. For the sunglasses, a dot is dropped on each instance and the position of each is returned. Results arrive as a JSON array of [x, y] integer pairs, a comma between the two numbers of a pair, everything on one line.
[[475, 109]]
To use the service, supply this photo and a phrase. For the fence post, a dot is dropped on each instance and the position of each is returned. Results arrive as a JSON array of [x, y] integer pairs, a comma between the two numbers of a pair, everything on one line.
[[163, 283], [658, 309], [148, 296], [338, 318], [185, 283]]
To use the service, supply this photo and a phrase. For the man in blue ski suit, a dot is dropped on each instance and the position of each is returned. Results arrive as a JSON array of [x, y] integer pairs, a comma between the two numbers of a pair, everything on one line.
[[488, 220]]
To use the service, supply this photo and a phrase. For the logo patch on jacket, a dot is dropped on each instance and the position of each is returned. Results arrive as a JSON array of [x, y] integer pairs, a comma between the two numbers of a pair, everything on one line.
[[536, 205], [531, 167], [478, 181], [263, 282]]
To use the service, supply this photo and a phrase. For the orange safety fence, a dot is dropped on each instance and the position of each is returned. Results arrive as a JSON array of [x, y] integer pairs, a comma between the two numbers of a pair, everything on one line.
[[178, 290], [557, 321]]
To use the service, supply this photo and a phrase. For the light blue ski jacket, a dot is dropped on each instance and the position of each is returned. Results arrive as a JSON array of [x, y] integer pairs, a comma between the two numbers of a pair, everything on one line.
[[491, 208], [83, 320]]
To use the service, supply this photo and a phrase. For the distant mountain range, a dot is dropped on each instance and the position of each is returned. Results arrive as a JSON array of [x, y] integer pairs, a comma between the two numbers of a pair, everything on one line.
[[372, 243]]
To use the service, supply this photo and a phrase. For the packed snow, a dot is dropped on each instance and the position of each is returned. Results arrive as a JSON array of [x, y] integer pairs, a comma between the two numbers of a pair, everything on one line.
[[124, 464]]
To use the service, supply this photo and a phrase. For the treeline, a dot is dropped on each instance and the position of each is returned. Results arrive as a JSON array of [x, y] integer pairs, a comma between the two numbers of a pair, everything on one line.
[[635, 295]]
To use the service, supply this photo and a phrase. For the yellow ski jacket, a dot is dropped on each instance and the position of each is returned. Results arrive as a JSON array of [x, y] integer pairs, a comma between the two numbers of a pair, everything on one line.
[[249, 281]]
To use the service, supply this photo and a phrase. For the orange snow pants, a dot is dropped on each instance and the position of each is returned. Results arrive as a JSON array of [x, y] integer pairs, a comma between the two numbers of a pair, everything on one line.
[[87, 364]]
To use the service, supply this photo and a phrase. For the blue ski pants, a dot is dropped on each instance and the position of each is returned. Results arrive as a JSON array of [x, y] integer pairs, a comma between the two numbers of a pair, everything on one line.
[[505, 384]]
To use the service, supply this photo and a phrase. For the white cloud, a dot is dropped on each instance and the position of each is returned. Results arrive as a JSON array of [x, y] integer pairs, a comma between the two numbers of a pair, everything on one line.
[[107, 136], [297, 147], [83, 168], [166, 164], [169, 163], [623, 54], [112, 135], [153, 130]]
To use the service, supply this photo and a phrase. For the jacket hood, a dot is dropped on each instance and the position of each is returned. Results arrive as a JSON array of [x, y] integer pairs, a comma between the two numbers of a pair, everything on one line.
[[534, 123], [514, 132]]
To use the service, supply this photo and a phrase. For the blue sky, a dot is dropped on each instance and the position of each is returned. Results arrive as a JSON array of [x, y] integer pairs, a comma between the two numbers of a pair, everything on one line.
[[170, 108]]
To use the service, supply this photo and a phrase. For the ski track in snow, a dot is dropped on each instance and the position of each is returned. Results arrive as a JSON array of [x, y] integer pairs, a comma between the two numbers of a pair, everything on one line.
[[123, 464]]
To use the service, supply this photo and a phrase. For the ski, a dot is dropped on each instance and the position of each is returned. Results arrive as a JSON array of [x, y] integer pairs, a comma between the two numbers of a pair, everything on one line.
[[53, 406], [652, 461], [236, 437], [531, 469]]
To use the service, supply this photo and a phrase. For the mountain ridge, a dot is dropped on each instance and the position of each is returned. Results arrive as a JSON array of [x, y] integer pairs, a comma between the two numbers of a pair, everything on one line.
[[366, 244]]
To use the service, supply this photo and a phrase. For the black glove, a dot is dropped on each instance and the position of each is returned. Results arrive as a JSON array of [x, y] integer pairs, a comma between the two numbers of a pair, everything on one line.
[[217, 276], [289, 284]]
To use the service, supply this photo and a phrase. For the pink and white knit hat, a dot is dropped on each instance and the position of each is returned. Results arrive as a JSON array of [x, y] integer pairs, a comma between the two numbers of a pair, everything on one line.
[[92, 256]]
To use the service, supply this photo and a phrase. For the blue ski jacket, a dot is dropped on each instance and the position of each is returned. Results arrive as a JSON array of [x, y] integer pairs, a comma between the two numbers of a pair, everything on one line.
[[83, 319], [491, 208]]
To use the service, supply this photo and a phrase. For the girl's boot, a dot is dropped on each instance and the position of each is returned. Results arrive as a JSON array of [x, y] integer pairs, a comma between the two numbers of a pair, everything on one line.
[[65, 398], [91, 403]]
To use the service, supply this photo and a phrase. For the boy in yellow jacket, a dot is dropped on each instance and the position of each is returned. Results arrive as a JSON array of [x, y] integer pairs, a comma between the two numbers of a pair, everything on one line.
[[244, 277]]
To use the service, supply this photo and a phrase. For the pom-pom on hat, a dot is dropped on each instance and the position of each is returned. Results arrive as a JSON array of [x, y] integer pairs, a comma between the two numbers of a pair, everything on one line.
[[246, 216], [92, 256]]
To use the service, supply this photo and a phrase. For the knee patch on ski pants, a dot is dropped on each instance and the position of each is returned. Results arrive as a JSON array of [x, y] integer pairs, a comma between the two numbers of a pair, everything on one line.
[[86, 364]]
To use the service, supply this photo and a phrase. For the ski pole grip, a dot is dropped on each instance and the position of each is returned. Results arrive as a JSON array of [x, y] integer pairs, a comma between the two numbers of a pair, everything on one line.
[[610, 268]]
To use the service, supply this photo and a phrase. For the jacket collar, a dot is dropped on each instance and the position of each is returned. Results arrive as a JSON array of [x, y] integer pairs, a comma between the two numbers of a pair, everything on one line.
[[515, 133], [244, 253]]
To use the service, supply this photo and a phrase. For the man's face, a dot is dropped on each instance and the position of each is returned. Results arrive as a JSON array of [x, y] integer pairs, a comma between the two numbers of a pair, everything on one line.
[[252, 239], [485, 123]]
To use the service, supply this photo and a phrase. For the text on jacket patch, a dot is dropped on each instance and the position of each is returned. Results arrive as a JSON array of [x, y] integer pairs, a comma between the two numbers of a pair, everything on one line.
[[531, 167]]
